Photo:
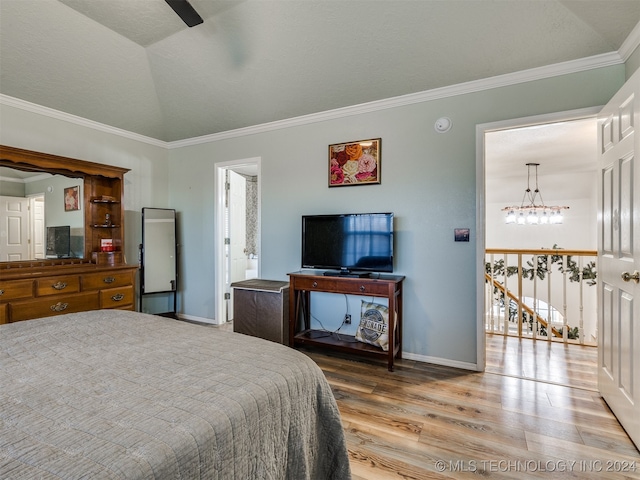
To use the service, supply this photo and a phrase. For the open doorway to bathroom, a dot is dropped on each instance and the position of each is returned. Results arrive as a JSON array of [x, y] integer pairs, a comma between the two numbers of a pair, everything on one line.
[[238, 230]]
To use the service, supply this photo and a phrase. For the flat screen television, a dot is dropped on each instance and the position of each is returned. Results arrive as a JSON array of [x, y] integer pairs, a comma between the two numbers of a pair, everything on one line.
[[348, 244], [59, 242]]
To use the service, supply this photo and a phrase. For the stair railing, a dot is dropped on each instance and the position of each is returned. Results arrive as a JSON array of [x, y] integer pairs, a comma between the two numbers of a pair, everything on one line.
[[535, 272]]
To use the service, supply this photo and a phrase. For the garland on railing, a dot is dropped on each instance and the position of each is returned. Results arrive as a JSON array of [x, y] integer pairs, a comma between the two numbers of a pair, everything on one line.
[[543, 267], [545, 262]]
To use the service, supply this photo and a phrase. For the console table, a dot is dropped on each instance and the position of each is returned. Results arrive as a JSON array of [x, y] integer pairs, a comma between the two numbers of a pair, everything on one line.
[[302, 284]]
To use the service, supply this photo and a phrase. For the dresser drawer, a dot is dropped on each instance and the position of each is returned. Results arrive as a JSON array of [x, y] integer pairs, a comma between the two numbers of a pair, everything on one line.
[[4, 318], [57, 285], [26, 309], [318, 283], [356, 286], [116, 297], [98, 281], [16, 289]]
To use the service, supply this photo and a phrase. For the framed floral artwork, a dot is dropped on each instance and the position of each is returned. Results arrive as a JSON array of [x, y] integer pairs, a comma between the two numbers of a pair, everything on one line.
[[72, 199], [354, 163]]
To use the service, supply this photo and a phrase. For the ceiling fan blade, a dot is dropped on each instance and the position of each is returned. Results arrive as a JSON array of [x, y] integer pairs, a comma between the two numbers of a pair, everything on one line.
[[186, 12]]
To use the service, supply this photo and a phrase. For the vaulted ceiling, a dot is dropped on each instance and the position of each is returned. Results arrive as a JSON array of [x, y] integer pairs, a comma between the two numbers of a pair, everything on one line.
[[134, 65]]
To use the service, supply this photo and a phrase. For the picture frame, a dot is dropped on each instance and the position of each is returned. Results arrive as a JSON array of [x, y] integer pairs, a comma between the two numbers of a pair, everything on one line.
[[72, 198], [355, 163]]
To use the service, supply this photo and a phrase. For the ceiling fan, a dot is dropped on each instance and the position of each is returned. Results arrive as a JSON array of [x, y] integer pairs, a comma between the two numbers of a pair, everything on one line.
[[186, 12]]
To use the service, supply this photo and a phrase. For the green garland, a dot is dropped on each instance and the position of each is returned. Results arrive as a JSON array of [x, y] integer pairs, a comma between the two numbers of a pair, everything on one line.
[[545, 263]]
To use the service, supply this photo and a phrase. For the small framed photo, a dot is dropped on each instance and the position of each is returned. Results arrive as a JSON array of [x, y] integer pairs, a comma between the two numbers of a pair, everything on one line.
[[72, 198], [355, 163]]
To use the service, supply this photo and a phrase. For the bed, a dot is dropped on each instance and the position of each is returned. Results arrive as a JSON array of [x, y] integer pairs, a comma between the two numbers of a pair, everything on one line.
[[114, 394]]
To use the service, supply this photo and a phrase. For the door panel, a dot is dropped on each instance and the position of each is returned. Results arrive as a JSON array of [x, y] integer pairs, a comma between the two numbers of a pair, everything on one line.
[[619, 256], [607, 211], [626, 345], [626, 207], [14, 223], [606, 332]]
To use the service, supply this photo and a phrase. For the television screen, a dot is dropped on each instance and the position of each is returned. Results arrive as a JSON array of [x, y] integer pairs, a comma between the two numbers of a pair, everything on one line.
[[59, 242], [348, 242]]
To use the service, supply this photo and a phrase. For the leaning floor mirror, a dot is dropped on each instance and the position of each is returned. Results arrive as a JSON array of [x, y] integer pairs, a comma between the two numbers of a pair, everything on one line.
[[158, 253]]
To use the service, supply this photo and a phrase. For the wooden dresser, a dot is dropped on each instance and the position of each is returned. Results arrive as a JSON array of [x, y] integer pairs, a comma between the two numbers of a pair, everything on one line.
[[98, 277], [34, 292]]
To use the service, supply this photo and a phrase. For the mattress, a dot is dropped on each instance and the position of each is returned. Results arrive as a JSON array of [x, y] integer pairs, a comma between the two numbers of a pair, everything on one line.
[[114, 394]]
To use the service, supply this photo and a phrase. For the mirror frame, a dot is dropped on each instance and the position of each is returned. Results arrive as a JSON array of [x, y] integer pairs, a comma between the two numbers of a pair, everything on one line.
[[28, 160]]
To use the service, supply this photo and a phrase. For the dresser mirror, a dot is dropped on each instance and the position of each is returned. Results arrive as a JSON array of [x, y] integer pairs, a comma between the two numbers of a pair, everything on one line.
[[41, 215], [82, 210]]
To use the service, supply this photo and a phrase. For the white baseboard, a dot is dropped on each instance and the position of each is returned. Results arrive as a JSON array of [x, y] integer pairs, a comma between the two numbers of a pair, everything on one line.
[[440, 361]]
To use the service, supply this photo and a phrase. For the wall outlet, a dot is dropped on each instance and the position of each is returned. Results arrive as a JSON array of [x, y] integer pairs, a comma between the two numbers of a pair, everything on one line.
[[347, 319]]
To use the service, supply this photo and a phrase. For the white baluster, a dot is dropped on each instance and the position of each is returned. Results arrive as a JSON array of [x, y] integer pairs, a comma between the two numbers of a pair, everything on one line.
[[565, 324], [494, 301], [581, 306], [535, 298], [506, 298], [549, 314]]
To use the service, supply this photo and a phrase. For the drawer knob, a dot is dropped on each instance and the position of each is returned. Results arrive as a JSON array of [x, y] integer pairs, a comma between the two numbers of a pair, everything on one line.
[[314, 284], [362, 288], [1, 292], [109, 279], [59, 307], [59, 285], [117, 297]]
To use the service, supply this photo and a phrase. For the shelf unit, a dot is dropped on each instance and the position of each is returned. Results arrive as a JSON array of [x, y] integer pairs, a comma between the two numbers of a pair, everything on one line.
[[302, 284], [105, 217]]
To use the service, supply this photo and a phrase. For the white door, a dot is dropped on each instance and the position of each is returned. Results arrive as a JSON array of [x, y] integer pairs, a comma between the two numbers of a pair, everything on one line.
[[14, 228], [619, 256], [237, 232], [37, 227]]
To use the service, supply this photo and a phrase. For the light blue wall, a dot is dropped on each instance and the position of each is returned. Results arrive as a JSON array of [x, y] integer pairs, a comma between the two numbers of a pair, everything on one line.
[[428, 181]]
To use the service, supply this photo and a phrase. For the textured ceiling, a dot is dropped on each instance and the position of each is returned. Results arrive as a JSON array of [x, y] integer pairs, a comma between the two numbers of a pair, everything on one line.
[[565, 152], [134, 65]]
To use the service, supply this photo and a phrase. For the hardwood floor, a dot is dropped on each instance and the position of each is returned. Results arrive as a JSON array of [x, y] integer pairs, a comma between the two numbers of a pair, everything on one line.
[[425, 421], [520, 419], [553, 362]]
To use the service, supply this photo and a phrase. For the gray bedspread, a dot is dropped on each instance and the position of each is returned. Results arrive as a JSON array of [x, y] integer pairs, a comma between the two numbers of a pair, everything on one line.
[[123, 395]]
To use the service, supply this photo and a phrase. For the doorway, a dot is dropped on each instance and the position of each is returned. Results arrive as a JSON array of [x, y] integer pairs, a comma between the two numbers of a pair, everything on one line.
[[501, 184], [23, 223], [237, 229]]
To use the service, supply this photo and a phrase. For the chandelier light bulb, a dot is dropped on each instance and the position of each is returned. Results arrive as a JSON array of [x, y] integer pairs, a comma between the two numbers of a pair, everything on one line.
[[511, 217], [544, 218], [521, 219]]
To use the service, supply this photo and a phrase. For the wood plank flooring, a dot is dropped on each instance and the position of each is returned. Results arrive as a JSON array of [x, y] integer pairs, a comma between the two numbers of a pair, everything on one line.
[[425, 421], [553, 362]]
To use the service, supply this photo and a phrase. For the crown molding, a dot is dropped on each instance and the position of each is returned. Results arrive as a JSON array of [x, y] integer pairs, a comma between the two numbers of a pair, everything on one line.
[[76, 120], [558, 69], [630, 43], [549, 71]]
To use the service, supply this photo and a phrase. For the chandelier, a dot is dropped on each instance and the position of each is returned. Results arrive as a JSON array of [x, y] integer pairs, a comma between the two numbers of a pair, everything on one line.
[[529, 212]]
